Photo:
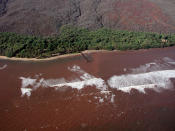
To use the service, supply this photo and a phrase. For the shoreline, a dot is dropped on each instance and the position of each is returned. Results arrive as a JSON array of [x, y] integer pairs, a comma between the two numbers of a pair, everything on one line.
[[72, 55], [51, 58]]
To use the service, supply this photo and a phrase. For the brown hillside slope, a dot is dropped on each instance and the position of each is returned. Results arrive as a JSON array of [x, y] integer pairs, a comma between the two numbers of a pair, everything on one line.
[[45, 17]]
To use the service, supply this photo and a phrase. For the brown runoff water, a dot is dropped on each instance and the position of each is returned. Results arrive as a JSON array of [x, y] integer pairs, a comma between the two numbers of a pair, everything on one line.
[[124, 91]]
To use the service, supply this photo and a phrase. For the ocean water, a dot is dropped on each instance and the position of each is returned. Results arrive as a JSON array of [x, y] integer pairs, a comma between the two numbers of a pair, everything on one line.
[[131, 90]]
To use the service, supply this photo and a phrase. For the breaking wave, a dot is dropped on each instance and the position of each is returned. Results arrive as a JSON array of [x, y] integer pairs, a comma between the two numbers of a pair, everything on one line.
[[155, 75], [152, 75], [84, 80], [153, 80]]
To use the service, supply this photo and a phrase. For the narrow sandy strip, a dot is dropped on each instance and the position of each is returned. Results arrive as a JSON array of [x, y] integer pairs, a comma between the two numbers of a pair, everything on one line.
[[51, 58], [36, 59], [71, 55]]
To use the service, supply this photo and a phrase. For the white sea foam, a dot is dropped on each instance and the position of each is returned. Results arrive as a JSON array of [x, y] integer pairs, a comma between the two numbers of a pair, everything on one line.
[[84, 80], [151, 75], [98, 82], [3, 67], [27, 81], [156, 79], [75, 68], [106, 92], [101, 100], [112, 98], [26, 91]]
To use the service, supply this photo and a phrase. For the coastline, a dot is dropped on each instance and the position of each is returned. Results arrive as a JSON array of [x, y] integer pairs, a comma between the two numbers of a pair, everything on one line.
[[86, 52], [51, 58]]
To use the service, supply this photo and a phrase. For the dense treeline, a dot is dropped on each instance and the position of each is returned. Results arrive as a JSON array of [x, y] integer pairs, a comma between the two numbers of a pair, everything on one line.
[[73, 39]]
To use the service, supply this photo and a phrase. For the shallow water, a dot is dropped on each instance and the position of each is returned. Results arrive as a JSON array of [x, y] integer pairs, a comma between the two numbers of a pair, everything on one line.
[[131, 90]]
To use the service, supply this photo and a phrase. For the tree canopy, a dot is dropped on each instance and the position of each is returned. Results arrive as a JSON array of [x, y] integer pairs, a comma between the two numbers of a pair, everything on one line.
[[74, 39]]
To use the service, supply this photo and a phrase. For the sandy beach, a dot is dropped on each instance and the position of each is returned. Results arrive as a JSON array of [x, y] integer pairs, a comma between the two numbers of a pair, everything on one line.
[[52, 58], [66, 55]]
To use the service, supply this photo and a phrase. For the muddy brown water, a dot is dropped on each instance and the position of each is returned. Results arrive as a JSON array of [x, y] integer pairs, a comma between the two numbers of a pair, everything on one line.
[[66, 108]]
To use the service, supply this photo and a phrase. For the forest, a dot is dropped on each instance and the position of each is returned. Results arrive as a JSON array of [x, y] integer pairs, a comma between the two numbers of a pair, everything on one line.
[[74, 39]]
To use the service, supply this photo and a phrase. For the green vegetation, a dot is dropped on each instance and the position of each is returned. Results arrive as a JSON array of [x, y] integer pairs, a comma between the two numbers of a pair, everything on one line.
[[73, 39]]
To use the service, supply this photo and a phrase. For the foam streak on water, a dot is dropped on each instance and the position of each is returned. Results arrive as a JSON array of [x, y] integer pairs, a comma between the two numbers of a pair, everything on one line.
[[85, 80], [3, 67]]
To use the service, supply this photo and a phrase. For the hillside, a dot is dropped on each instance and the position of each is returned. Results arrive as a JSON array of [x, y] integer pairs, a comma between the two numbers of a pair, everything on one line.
[[43, 17]]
